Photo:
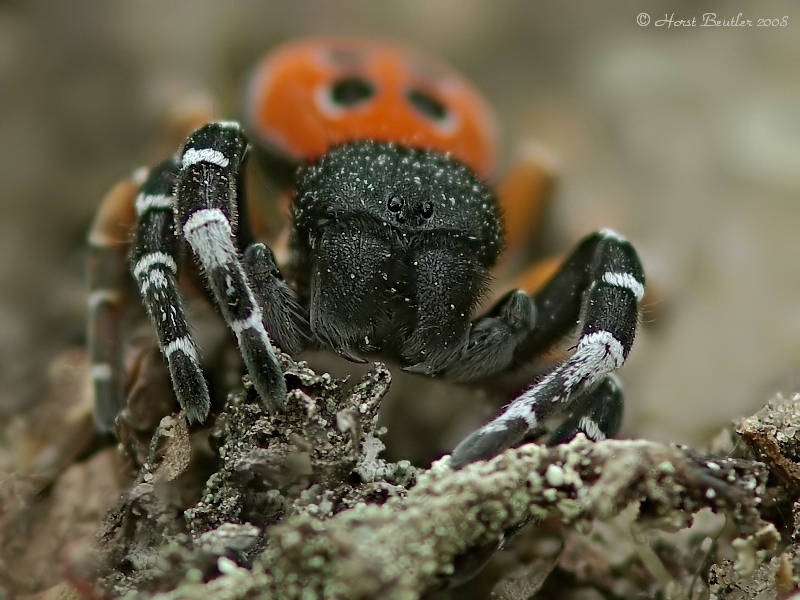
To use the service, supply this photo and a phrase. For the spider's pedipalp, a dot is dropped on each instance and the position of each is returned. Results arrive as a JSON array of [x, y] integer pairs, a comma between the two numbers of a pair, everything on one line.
[[494, 338], [285, 317], [154, 265], [207, 209], [601, 284]]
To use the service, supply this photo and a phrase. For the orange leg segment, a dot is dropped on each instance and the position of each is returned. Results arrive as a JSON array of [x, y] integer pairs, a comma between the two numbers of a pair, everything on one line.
[[523, 195], [109, 291]]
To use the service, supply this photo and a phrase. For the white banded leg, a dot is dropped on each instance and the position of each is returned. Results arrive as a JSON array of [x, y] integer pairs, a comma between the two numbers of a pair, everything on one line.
[[154, 266], [207, 211], [598, 415], [601, 284]]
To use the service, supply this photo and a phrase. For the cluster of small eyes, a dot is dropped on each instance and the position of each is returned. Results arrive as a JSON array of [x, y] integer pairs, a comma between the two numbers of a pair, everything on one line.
[[376, 176]]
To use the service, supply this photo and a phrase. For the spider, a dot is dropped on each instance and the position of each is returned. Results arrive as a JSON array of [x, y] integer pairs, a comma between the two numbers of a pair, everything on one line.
[[393, 234]]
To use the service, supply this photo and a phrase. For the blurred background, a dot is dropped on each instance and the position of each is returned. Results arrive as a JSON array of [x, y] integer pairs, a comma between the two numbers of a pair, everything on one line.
[[684, 139]]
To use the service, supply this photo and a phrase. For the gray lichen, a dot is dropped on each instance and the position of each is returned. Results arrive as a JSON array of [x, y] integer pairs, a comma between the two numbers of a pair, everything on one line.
[[772, 436], [300, 504]]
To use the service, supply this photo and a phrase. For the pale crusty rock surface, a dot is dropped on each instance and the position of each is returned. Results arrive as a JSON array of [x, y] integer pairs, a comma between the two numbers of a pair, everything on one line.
[[300, 505]]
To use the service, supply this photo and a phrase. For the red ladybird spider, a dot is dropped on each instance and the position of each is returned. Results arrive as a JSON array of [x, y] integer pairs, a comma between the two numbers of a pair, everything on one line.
[[393, 235]]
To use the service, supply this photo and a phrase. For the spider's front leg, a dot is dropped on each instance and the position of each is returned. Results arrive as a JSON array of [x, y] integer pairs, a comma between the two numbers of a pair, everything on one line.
[[154, 260], [210, 214], [599, 287]]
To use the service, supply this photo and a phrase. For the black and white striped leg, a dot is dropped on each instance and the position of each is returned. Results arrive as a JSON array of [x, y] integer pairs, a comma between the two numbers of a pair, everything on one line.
[[600, 286], [598, 414], [208, 211], [154, 265]]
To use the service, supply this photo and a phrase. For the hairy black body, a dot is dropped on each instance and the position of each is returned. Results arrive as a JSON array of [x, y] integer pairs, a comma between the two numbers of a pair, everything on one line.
[[393, 249]]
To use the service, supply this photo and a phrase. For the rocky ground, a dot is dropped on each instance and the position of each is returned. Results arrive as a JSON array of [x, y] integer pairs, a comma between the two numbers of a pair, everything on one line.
[[302, 505]]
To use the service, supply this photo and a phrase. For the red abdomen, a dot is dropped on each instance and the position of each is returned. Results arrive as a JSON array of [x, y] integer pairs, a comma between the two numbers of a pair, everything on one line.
[[308, 96]]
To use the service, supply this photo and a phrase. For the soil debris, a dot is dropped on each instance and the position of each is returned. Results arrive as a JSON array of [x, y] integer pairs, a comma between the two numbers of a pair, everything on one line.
[[301, 505]]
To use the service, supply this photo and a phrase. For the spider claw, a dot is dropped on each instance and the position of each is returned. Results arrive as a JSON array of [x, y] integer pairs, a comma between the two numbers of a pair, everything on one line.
[[348, 354], [420, 368], [431, 366]]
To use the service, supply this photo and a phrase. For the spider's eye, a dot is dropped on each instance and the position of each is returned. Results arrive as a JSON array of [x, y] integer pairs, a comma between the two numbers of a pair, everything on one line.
[[427, 105], [351, 91], [395, 204], [427, 210]]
